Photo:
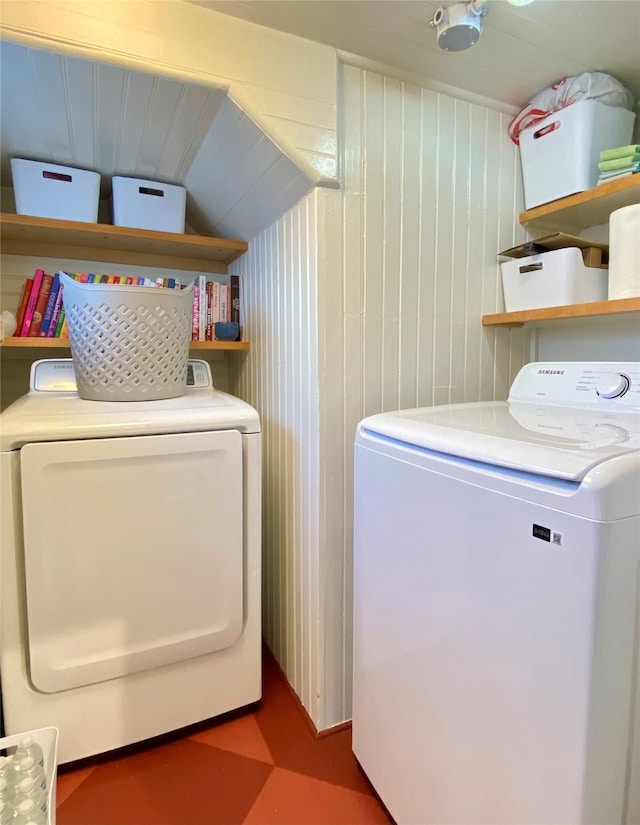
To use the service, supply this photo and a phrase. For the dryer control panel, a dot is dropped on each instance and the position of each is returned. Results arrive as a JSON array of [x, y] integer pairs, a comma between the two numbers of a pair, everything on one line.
[[57, 375], [613, 385]]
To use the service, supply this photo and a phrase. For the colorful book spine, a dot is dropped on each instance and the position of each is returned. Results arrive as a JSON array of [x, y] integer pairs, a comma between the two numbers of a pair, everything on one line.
[[60, 324], [234, 297], [41, 305], [202, 321], [208, 334], [195, 317], [51, 302], [224, 302], [22, 308], [51, 332], [31, 305], [215, 311]]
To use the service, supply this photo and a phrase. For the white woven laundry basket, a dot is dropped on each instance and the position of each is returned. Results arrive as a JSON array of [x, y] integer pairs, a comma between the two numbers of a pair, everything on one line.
[[128, 343]]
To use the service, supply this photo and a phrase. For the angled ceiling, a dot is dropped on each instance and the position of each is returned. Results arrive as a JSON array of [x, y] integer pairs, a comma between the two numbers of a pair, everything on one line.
[[117, 121], [120, 122], [522, 50]]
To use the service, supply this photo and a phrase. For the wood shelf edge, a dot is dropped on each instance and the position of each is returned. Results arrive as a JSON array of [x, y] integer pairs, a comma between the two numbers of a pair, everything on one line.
[[44, 343], [220, 345], [18, 230], [35, 343], [548, 210], [590, 310]]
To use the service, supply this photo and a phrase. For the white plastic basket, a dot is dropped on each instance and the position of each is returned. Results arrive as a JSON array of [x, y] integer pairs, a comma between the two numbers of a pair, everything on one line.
[[47, 738], [560, 154], [148, 204], [128, 343], [49, 190]]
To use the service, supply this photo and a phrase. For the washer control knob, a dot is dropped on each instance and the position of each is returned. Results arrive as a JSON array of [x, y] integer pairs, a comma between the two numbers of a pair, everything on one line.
[[613, 385]]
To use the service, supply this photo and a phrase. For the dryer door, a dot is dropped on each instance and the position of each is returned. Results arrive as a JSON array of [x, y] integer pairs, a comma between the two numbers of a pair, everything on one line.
[[133, 553]]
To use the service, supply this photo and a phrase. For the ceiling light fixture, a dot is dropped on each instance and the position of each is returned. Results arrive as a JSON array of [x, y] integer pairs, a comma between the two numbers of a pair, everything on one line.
[[459, 27]]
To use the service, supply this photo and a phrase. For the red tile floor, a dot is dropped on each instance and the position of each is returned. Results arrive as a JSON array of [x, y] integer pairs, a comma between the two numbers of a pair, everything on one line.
[[262, 766]]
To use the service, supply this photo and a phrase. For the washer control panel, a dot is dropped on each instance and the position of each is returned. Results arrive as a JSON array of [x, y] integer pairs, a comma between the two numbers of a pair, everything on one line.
[[598, 385]]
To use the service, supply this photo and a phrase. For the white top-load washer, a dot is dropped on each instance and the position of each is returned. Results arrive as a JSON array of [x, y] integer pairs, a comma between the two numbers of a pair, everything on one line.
[[496, 603], [130, 561]]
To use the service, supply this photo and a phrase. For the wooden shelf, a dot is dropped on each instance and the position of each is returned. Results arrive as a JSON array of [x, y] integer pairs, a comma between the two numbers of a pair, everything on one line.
[[46, 237], [585, 209], [518, 319], [227, 345], [45, 343]]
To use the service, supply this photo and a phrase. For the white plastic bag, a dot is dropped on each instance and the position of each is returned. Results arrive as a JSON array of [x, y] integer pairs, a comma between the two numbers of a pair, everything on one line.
[[586, 86]]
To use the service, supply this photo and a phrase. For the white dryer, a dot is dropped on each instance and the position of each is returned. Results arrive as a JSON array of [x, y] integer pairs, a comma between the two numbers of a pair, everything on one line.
[[130, 561], [497, 603]]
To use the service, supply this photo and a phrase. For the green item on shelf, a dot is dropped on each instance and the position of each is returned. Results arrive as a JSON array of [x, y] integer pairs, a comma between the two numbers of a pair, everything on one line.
[[619, 163], [619, 152]]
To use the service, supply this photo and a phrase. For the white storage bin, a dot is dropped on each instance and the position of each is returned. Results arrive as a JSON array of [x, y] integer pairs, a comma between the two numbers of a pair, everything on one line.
[[47, 738], [145, 204], [560, 154], [128, 343], [51, 191], [555, 278]]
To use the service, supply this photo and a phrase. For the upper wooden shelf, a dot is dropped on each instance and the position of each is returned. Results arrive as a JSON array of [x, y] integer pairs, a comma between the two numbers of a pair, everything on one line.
[[585, 209], [518, 319], [46, 237], [56, 343]]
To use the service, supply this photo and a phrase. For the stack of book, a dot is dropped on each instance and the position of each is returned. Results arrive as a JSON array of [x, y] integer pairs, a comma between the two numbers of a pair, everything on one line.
[[618, 163], [213, 302], [41, 311]]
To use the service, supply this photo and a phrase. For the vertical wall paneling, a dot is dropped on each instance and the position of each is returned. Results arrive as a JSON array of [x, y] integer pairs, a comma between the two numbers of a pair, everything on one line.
[[373, 234], [280, 378], [427, 156], [430, 193], [361, 300], [336, 444]]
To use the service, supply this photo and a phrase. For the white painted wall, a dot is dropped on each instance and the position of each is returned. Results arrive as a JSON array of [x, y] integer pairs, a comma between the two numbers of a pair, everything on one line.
[[609, 338], [606, 338], [360, 301], [280, 377]]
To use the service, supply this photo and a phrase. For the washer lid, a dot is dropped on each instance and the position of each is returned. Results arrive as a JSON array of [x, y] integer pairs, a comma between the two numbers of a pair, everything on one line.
[[561, 442], [63, 416]]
